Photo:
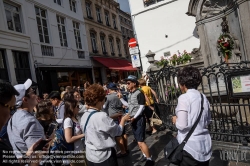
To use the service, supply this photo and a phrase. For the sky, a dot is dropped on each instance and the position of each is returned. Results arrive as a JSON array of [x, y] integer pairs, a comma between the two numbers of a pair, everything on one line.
[[124, 5]]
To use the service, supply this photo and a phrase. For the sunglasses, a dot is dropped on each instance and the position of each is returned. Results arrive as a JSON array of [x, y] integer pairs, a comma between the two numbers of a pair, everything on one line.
[[12, 108]]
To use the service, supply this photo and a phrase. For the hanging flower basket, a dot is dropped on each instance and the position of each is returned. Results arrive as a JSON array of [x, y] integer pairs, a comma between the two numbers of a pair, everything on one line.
[[225, 44]]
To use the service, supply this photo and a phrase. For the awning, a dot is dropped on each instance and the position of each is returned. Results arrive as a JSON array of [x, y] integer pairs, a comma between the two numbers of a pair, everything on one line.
[[115, 64]]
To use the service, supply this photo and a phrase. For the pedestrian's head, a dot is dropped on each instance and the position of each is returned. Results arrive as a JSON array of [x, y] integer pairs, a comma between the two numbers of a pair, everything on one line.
[[94, 96], [72, 95], [45, 111], [7, 101], [132, 82], [112, 87], [142, 82], [45, 96], [55, 98], [27, 98], [71, 107], [68, 88], [189, 78]]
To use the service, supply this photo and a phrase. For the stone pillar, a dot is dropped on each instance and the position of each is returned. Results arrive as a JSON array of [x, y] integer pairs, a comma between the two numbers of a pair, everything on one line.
[[10, 67]]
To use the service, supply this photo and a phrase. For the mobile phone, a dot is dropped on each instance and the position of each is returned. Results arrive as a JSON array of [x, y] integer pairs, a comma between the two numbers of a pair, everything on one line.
[[41, 145], [51, 129]]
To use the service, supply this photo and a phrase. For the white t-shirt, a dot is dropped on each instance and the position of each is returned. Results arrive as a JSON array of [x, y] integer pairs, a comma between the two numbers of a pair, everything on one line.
[[68, 123]]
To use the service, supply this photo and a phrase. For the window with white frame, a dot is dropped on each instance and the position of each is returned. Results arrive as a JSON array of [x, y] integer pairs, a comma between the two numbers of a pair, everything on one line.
[[98, 14], [111, 44], [76, 27], [114, 21], [102, 37], [118, 46], [107, 18], [72, 5], [58, 2], [41, 19], [93, 41], [88, 9], [12, 13], [62, 30]]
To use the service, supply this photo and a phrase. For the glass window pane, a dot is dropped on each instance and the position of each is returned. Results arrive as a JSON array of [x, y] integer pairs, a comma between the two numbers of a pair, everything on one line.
[[17, 22], [44, 22], [18, 27], [80, 45], [37, 11], [38, 20], [9, 20], [41, 37], [65, 43], [58, 19], [64, 35], [45, 30], [63, 29], [46, 39], [43, 14], [62, 20], [40, 30], [59, 2]]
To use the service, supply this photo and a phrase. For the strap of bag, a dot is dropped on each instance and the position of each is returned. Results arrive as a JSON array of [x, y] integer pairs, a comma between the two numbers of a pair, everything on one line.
[[88, 120], [196, 122]]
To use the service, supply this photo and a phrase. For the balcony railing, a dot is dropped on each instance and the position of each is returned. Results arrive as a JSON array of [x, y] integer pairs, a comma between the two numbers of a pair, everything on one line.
[[47, 50], [150, 2]]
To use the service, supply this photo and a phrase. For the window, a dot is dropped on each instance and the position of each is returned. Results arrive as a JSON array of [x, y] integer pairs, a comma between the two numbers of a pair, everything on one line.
[[150, 2], [72, 5], [22, 66], [93, 42], [47, 50], [62, 30], [58, 2], [98, 14], [42, 26], [3, 69], [123, 31], [88, 9], [114, 21], [107, 18], [81, 54], [118, 46], [126, 49], [102, 37], [111, 44], [76, 27], [13, 17]]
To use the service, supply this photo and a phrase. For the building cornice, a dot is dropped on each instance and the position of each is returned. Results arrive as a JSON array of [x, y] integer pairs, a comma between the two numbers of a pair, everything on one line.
[[56, 11], [15, 34]]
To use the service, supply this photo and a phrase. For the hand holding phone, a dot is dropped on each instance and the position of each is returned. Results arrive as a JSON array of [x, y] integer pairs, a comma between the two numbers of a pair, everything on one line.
[[42, 144]]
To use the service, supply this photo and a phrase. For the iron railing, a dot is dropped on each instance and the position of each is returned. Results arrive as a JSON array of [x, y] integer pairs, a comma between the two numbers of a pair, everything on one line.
[[230, 113]]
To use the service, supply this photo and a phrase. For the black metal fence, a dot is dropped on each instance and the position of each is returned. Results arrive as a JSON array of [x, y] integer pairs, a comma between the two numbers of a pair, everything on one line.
[[227, 87]]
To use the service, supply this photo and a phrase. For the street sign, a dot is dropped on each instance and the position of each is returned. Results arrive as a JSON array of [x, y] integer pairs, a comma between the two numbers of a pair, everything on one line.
[[132, 43], [135, 60], [134, 50]]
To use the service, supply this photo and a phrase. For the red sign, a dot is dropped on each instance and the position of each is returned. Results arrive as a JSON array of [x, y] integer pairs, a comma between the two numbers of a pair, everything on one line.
[[132, 43]]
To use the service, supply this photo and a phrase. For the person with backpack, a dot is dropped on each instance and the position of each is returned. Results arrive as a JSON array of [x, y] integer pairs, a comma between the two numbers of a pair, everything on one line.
[[99, 129], [198, 148], [72, 131]]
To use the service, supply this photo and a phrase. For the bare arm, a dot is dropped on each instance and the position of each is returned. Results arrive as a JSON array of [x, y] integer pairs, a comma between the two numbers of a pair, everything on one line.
[[155, 95], [68, 135]]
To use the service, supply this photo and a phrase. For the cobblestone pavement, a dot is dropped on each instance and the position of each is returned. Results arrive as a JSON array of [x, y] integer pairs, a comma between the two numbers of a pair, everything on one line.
[[156, 144]]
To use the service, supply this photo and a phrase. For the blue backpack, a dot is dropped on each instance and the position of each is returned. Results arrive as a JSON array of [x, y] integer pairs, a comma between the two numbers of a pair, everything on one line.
[[60, 143]]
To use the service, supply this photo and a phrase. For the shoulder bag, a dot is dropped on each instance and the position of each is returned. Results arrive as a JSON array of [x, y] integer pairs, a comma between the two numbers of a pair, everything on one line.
[[173, 150]]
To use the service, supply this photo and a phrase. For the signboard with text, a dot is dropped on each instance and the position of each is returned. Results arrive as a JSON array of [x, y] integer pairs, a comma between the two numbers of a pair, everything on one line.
[[135, 60], [240, 84]]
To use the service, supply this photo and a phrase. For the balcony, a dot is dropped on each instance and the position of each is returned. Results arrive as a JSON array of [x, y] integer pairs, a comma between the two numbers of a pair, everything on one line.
[[47, 50], [150, 2]]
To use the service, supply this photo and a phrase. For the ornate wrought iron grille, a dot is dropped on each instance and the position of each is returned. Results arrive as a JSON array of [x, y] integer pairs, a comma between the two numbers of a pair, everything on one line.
[[230, 115]]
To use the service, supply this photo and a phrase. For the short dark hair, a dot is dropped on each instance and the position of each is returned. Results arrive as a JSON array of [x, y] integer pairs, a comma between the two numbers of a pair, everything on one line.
[[6, 92], [54, 95], [190, 77], [69, 95]]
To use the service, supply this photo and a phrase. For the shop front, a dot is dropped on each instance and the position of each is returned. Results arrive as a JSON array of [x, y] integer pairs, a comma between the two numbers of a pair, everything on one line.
[[112, 70], [56, 79]]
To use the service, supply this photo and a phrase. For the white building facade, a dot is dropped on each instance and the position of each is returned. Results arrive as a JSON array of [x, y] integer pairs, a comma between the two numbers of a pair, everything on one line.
[[44, 40], [163, 27]]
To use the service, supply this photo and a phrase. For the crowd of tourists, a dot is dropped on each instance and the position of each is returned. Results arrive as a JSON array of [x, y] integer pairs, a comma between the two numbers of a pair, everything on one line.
[[89, 126]]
